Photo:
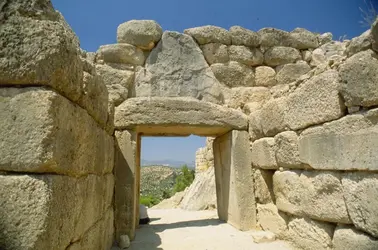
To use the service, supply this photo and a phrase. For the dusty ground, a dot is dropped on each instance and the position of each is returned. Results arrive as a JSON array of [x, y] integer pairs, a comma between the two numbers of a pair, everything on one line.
[[176, 229]]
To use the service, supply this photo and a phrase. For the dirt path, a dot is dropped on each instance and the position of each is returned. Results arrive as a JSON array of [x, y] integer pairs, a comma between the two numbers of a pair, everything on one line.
[[176, 229]]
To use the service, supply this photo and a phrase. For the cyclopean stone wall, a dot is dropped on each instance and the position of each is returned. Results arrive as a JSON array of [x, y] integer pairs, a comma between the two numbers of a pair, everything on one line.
[[56, 144], [310, 102]]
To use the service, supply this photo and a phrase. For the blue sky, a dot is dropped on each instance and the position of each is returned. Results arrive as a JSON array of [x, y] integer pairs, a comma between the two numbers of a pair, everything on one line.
[[95, 22]]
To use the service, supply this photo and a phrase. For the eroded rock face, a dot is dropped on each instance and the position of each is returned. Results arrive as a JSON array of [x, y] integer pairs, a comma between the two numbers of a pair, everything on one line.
[[234, 74], [141, 33], [176, 67], [120, 53], [280, 55]]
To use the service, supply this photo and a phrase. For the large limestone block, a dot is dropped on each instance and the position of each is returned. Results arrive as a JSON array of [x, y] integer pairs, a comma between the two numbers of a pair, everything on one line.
[[209, 34], [63, 139], [330, 52], [99, 236], [177, 67], [178, 115], [265, 76], [280, 55], [271, 37], [350, 238], [126, 181], [359, 75], [308, 234], [287, 153], [360, 43], [39, 48], [50, 211], [304, 39], [263, 182], [242, 36], [318, 195], [264, 153], [215, 53], [360, 193], [313, 102], [243, 95], [117, 81], [95, 98], [234, 74], [234, 183], [141, 33], [345, 144], [272, 116], [120, 53], [247, 56], [270, 219], [291, 72], [325, 38], [255, 126]]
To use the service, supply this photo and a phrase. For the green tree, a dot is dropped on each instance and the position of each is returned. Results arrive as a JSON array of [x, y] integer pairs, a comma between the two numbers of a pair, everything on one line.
[[184, 180], [149, 200]]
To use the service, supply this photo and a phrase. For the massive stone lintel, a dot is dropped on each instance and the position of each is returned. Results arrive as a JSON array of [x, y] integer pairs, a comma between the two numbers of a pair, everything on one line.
[[177, 116]]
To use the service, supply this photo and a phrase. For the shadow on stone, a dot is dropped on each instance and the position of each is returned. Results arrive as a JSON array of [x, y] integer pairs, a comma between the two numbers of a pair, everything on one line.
[[183, 224]]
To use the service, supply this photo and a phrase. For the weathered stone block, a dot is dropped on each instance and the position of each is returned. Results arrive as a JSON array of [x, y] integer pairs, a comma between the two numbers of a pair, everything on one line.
[[64, 139], [287, 153], [232, 161], [99, 236], [178, 115], [209, 34], [120, 53], [359, 75], [350, 238], [360, 193], [264, 153], [345, 144], [279, 55], [291, 72], [234, 74], [243, 95], [314, 101], [263, 181], [265, 76], [308, 234], [318, 195], [215, 53], [95, 98], [271, 37], [118, 82], [270, 219], [255, 127], [141, 33], [49, 54], [360, 43], [242, 36], [177, 67], [244, 55], [50, 211], [304, 39]]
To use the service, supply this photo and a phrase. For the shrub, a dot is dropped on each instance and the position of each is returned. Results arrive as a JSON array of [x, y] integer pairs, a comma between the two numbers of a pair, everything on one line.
[[184, 180], [149, 200]]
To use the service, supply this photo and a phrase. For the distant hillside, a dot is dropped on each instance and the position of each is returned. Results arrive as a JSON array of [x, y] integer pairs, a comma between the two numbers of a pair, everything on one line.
[[168, 163], [154, 180]]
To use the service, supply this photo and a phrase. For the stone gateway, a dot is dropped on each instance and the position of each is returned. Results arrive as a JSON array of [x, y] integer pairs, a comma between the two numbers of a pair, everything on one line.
[[294, 116]]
